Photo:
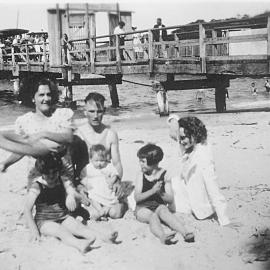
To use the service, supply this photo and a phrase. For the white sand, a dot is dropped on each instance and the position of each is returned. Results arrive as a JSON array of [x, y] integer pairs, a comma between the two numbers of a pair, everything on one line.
[[242, 154]]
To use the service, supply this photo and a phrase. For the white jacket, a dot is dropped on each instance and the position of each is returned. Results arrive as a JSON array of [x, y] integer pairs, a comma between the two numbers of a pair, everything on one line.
[[196, 190]]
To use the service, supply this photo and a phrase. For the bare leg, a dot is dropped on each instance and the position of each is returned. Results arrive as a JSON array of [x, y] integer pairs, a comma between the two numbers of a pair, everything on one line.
[[147, 216], [78, 229], [59, 231], [117, 211], [173, 222]]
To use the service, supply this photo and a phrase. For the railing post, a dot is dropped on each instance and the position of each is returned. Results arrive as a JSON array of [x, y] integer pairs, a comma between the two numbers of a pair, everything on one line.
[[202, 47], [88, 46], [1, 59], [151, 51], [268, 42], [118, 55], [13, 57], [44, 56], [27, 57], [92, 43], [214, 46]]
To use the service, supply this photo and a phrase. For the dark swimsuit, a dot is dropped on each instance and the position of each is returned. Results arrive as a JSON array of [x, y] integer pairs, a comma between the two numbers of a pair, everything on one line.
[[155, 200], [50, 204]]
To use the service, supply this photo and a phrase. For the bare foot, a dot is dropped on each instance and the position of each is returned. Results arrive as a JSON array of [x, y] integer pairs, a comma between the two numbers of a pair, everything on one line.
[[167, 238], [111, 237], [189, 237], [86, 246]]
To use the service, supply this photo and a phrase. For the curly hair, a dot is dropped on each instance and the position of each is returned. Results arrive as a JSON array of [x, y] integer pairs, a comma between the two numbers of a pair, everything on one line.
[[193, 127], [152, 153], [47, 163]]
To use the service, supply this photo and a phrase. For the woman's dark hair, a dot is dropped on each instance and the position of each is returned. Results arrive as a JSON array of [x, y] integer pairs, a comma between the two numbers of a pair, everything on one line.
[[152, 153], [52, 86], [193, 127], [47, 163]]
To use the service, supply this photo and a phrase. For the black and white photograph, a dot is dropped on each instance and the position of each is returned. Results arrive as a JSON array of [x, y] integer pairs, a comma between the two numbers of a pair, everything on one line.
[[134, 135]]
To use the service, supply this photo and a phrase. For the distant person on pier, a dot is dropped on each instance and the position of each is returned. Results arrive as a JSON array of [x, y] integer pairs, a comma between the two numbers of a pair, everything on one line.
[[65, 47], [137, 44], [200, 96], [267, 86], [157, 37], [120, 30]]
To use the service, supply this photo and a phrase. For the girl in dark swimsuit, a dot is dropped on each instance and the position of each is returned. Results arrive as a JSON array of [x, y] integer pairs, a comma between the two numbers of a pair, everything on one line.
[[153, 194]]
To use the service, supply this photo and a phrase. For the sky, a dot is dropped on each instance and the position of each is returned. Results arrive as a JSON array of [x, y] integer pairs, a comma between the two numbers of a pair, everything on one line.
[[32, 15]]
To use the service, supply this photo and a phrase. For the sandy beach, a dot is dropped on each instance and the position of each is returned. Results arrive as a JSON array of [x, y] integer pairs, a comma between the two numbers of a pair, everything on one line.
[[241, 149]]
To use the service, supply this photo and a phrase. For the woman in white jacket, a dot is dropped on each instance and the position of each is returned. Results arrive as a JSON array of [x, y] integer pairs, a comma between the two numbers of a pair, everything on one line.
[[196, 190]]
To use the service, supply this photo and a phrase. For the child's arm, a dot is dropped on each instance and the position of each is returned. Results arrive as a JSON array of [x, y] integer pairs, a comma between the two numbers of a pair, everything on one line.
[[139, 195], [71, 195], [30, 201], [167, 196]]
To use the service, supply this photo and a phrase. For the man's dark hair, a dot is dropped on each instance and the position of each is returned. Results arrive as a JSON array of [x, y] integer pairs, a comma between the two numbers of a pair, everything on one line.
[[96, 97], [121, 23], [152, 153]]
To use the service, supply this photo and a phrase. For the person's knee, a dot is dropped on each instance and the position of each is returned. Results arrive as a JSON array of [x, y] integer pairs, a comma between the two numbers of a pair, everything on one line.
[[162, 209], [117, 211]]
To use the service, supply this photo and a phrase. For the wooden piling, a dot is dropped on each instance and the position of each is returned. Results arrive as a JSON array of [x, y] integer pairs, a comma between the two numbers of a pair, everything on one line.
[[114, 95], [202, 48]]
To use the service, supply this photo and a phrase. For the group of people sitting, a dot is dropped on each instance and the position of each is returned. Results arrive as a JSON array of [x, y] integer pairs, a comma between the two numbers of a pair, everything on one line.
[[75, 170], [18, 42]]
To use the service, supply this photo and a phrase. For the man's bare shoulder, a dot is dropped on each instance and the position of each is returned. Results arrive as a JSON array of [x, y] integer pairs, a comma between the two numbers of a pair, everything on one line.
[[112, 135]]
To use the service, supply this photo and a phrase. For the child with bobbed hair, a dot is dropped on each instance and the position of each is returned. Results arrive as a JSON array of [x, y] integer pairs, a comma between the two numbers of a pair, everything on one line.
[[153, 194]]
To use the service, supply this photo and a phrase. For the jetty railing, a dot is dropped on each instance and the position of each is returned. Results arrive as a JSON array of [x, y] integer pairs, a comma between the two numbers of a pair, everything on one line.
[[25, 55], [194, 44]]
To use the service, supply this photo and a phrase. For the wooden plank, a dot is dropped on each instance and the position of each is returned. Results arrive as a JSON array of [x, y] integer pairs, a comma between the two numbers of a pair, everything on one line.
[[236, 58], [236, 39]]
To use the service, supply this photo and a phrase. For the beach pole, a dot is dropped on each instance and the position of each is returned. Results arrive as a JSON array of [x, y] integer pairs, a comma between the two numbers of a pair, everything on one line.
[[162, 98], [220, 99]]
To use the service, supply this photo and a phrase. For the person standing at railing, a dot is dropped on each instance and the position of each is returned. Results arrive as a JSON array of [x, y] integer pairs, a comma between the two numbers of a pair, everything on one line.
[[65, 46], [120, 30], [158, 38], [137, 44]]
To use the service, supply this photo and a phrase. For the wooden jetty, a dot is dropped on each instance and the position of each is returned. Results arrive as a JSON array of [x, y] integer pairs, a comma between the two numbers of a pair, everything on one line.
[[193, 56]]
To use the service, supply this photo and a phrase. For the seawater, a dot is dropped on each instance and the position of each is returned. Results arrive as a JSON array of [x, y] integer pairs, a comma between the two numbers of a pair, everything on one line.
[[139, 101]]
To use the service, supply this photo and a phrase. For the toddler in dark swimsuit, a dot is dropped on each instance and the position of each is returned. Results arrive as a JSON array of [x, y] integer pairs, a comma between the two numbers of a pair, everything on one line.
[[48, 193], [153, 194]]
